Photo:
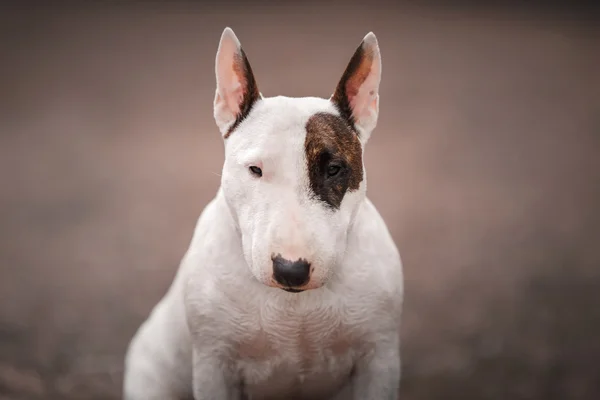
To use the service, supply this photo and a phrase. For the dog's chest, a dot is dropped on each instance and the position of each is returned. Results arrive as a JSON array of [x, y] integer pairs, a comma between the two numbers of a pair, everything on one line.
[[296, 354]]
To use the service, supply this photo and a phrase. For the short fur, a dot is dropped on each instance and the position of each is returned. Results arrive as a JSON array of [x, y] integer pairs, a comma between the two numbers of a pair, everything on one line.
[[226, 330]]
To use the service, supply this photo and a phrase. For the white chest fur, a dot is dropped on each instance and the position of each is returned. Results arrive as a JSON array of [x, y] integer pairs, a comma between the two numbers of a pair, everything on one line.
[[291, 348]]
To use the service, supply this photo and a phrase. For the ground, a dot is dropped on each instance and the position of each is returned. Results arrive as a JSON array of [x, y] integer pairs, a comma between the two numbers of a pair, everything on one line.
[[484, 164]]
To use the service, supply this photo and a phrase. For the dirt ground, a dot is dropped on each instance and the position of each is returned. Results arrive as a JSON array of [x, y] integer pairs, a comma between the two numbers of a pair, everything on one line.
[[484, 164]]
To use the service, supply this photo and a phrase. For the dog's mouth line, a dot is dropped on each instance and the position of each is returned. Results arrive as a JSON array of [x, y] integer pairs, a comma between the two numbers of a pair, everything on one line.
[[292, 290]]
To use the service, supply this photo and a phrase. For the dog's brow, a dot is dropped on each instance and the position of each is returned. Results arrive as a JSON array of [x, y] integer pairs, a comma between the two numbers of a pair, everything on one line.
[[253, 158], [248, 154], [260, 152]]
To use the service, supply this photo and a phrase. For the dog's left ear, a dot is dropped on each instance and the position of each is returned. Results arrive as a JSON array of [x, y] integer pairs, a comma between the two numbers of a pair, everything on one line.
[[236, 87], [357, 93]]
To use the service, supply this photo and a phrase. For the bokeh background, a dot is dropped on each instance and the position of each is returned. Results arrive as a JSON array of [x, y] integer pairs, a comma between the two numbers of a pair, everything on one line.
[[485, 164]]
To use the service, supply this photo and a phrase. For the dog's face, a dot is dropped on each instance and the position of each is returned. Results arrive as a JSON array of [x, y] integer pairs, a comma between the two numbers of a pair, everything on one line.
[[293, 176]]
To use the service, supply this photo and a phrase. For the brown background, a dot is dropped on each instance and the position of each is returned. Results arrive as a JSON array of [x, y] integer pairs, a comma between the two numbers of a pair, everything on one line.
[[484, 164]]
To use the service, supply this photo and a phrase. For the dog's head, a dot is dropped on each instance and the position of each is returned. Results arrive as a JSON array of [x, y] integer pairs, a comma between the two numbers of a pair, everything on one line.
[[293, 176]]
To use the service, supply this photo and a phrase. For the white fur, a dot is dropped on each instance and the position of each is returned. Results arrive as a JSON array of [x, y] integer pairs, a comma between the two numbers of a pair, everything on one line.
[[224, 329]]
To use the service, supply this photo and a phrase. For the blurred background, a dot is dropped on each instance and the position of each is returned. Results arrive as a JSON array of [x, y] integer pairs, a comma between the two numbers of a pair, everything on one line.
[[485, 165]]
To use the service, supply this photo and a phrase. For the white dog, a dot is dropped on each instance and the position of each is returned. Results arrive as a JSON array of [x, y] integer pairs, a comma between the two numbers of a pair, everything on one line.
[[292, 286]]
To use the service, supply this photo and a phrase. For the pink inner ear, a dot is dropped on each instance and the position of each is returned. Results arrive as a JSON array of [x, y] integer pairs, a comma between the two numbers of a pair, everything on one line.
[[235, 89], [360, 100], [357, 88], [352, 90], [234, 99], [231, 78]]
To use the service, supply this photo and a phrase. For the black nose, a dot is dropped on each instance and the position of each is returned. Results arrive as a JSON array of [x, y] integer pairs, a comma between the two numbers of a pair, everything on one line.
[[290, 273]]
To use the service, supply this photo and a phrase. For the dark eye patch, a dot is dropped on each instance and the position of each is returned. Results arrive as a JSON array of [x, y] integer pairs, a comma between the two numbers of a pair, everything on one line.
[[330, 163], [333, 170], [331, 145]]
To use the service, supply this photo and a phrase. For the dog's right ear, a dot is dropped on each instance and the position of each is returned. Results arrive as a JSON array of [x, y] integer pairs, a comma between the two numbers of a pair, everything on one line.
[[236, 87]]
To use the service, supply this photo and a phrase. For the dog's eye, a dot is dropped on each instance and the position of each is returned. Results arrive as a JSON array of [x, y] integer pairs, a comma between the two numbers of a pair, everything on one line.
[[256, 171], [333, 170]]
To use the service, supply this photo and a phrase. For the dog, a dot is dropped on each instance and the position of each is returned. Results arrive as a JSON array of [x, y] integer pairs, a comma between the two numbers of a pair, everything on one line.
[[292, 287]]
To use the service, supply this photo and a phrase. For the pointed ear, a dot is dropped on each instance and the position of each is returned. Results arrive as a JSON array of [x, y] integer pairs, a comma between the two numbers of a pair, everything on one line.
[[357, 93], [236, 87]]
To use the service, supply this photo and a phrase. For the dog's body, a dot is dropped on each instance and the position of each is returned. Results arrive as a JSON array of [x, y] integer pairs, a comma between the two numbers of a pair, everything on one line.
[[293, 188]]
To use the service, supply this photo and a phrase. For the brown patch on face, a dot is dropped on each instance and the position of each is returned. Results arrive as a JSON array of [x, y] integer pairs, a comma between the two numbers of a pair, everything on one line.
[[354, 76], [332, 145], [242, 69]]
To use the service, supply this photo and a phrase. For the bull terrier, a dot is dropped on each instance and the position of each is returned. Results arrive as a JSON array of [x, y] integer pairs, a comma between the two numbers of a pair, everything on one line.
[[292, 286]]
